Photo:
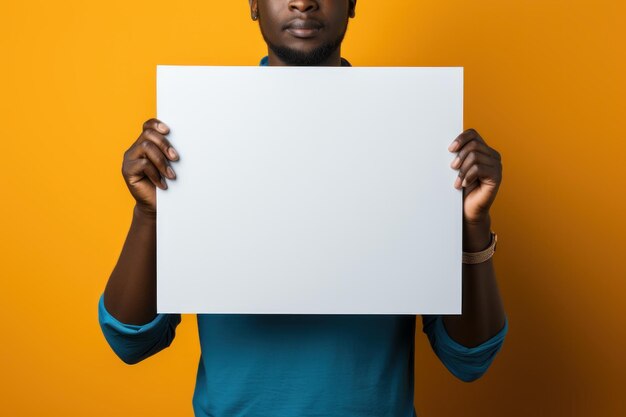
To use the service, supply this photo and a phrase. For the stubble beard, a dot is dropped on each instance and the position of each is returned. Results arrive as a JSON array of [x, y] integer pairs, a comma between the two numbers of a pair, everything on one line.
[[313, 57]]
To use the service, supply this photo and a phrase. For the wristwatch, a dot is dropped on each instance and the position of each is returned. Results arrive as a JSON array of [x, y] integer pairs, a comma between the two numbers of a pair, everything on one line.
[[482, 256]]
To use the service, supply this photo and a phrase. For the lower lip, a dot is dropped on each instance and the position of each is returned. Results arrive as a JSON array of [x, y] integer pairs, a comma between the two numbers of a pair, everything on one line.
[[303, 33]]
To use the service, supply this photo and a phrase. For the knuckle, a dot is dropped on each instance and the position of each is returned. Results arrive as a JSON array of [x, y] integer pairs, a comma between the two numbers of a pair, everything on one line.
[[150, 122], [145, 145], [469, 145], [473, 145]]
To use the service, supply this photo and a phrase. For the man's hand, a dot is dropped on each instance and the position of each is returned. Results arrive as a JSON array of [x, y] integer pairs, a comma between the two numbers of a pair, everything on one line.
[[480, 174], [145, 164]]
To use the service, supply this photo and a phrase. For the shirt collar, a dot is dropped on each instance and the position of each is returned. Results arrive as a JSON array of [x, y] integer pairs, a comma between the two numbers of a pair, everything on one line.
[[265, 62]]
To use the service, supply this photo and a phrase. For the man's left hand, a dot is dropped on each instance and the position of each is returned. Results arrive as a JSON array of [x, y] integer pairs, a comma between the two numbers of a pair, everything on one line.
[[480, 174]]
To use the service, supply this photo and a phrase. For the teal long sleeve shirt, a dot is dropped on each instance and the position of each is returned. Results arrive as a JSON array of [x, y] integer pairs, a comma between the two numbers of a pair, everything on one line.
[[303, 365], [291, 365]]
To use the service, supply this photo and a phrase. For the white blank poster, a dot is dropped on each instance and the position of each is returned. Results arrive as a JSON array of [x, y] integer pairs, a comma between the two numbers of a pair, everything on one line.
[[310, 190]]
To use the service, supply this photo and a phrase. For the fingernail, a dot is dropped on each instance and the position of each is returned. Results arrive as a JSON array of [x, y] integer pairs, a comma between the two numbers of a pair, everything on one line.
[[457, 182], [170, 173], [464, 182], [162, 127], [173, 153], [455, 162], [453, 146], [164, 183]]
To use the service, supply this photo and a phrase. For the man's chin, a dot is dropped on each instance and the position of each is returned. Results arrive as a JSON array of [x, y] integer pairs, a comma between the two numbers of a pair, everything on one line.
[[301, 49], [304, 56], [301, 52]]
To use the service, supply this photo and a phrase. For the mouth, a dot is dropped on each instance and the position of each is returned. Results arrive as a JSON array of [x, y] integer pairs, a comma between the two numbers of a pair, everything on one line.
[[303, 28]]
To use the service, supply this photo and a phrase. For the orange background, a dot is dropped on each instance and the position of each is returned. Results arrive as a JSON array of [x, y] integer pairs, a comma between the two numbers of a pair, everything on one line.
[[544, 86]]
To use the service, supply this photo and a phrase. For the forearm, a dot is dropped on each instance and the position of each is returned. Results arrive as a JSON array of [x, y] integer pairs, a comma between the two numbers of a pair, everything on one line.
[[483, 312], [130, 293]]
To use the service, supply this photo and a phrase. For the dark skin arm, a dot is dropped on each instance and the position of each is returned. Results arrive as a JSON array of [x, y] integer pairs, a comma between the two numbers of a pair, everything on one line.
[[130, 293], [480, 175]]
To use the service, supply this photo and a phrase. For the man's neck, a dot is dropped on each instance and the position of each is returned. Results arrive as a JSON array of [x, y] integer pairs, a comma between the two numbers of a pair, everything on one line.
[[333, 61]]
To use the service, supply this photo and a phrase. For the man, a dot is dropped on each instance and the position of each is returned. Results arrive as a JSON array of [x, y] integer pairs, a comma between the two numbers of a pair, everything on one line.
[[305, 365]]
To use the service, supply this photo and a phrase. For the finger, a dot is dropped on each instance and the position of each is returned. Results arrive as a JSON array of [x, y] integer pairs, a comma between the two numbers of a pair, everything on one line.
[[485, 173], [152, 136], [473, 146], [155, 155], [155, 130], [474, 158], [463, 138], [157, 125], [162, 142], [141, 168]]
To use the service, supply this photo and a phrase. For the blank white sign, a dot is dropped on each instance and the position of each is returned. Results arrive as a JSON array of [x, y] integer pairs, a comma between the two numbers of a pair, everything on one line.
[[310, 190]]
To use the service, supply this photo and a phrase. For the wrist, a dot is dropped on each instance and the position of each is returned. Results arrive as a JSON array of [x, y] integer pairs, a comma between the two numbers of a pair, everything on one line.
[[476, 235], [144, 215]]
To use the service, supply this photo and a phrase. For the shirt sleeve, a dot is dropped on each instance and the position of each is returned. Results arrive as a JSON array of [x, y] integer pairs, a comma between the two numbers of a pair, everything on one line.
[[467, 364], [133, 343]]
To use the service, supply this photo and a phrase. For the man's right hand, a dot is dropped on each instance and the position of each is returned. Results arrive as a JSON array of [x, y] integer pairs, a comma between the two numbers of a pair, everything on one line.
[[145, 164]]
